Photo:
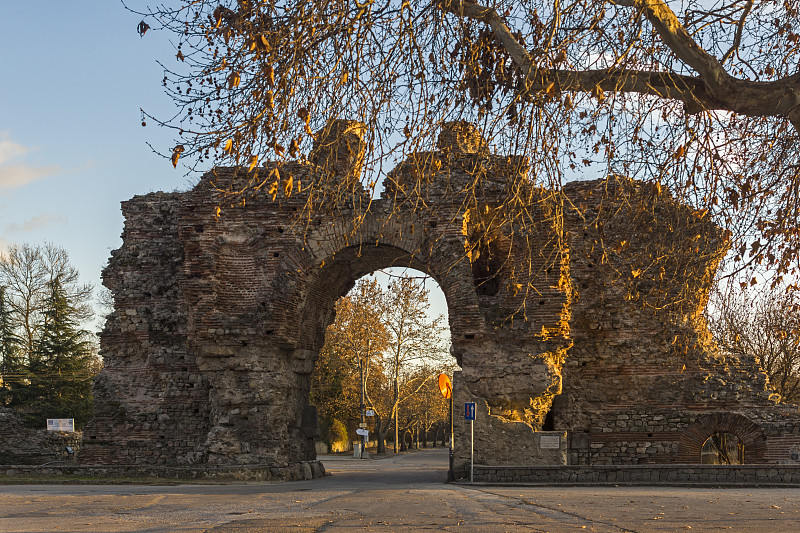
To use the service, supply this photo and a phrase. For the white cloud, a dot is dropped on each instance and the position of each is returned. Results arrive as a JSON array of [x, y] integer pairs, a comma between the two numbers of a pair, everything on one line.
[[15, 232], [9, 149], [37, 222], [13, 176]]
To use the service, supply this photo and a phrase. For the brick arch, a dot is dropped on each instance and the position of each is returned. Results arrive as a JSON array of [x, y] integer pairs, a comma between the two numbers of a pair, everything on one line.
[[335, 278], [749, 433]]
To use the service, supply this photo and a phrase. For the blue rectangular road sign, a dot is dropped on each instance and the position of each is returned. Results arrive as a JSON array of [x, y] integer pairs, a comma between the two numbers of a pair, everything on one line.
[[469, 411]]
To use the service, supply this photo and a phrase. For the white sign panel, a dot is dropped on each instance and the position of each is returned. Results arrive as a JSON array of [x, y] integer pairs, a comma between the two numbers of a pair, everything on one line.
[[370, 412], [550, 442], [363, 432], [61, 424]]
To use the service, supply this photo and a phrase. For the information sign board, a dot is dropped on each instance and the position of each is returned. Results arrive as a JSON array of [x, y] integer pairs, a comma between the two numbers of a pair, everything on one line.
[[549, 442], [61, 424]]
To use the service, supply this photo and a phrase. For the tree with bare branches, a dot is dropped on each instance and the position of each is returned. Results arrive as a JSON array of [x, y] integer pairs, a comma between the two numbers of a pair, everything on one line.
[[26, 272], [701, 97], [764, 325], [356, 337], [414, 341]]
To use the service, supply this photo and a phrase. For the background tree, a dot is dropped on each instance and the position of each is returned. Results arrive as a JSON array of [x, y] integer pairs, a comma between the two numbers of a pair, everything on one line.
[[430, 410], [52, 360], [356, 334], [402, 349], [704, 100], [414, 339], [61, 368], [766, 325], [11, 361]]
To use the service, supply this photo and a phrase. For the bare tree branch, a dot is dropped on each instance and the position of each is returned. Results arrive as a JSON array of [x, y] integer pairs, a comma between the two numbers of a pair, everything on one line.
[[713, 89], [737, 41]]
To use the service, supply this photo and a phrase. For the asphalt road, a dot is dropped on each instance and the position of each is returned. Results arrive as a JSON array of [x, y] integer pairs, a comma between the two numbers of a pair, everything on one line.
[[402, 493]]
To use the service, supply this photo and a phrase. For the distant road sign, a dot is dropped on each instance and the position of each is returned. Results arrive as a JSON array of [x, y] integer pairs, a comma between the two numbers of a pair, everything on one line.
[[370, 412], [362, 432], [445, 386], [469, 411]]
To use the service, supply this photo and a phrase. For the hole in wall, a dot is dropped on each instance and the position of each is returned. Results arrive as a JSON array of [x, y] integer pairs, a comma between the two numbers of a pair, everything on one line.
[[722, 448], [549, 423], [487, 248]]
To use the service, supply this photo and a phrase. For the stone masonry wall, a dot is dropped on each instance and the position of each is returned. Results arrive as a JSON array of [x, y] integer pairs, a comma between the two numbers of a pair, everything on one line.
[[24, 446], [219, 316], [581, 322], [644, 382]]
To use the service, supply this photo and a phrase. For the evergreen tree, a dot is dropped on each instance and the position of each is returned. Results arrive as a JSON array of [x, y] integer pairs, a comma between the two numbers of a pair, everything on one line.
[[12, 368], [60, 367]]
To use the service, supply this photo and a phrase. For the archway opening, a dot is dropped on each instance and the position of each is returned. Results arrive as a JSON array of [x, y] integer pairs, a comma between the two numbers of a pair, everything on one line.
[[722, 448], [375, 380]]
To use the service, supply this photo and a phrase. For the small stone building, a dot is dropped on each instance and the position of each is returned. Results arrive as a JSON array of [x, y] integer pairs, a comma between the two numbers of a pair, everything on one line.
[[576, 316]]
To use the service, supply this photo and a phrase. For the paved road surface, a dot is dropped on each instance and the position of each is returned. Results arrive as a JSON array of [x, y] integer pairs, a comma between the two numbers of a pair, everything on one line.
[[403, 493]]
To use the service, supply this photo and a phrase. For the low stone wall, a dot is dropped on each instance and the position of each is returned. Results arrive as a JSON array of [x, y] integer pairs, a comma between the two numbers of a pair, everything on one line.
[[294, 472], [784, 475], [21, 445]]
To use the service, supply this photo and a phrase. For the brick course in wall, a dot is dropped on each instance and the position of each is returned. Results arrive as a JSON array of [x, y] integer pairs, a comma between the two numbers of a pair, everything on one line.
[[591, 324]]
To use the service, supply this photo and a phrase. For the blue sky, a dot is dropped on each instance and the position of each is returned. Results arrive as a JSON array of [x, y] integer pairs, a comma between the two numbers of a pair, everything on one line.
[[71, 145], [74, 76]]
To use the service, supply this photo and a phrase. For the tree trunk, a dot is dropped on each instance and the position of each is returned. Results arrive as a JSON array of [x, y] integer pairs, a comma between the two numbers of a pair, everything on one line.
[[380, 433]]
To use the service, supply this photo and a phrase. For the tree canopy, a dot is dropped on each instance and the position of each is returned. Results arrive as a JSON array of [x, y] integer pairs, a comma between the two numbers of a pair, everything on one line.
[[764, 324], [357, 333], [701, 96], [47, 361], [402, 351]]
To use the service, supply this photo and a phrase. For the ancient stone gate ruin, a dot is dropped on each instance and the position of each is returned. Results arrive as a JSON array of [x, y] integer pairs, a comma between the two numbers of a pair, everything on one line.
[[580, 335]]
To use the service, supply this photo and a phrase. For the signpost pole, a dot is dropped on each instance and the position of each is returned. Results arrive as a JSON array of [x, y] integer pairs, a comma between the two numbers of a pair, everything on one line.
[[446, 387], [470, 409], [452, 439]]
